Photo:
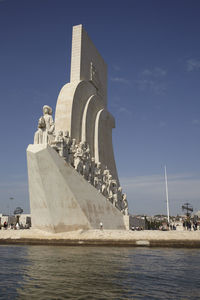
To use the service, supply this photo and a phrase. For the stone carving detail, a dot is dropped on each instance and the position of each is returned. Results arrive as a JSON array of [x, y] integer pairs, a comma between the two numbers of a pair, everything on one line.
[[91, 171], [72, 151], [45, 132], [78, 156], [38, 138], [68, 143], [125, 204]]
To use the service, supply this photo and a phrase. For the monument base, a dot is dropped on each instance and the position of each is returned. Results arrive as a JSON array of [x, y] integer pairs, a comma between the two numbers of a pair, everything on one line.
[[61, 199]]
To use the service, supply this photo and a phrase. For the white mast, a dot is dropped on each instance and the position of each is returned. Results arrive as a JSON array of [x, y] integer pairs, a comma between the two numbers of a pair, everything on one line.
[[167, 194]]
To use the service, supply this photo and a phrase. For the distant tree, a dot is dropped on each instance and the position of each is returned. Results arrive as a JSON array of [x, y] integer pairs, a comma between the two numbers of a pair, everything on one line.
[[18, 211], [153, 225]]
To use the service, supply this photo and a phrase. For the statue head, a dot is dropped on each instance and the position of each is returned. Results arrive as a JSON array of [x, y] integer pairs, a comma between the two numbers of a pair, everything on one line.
[[124, 197], [60, 133], [67, 133], [80, 145], [120, 189], [83, 145], [47, 110], [107, 171]]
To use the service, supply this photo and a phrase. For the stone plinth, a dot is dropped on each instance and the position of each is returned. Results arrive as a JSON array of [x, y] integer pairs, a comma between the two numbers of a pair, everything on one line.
[[61, 199]]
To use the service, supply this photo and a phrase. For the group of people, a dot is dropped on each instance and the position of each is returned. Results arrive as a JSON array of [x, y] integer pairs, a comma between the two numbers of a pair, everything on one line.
[[78, 155], [9, 226], [189, 225]]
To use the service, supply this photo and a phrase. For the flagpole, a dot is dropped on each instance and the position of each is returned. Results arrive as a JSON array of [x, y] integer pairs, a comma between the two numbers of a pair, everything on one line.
[[166, 186]]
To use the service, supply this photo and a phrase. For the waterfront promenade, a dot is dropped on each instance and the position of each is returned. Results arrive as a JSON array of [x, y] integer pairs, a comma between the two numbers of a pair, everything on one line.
[[146, 238]]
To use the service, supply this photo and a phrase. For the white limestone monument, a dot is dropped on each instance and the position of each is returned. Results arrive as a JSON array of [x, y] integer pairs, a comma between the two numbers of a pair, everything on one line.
[[73, 180]]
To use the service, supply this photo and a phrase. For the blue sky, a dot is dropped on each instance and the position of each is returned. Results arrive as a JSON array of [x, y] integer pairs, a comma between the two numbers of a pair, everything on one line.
[[152, 49]]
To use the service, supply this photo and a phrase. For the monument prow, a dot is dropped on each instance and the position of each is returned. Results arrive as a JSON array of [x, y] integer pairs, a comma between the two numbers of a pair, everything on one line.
[[61, 199]]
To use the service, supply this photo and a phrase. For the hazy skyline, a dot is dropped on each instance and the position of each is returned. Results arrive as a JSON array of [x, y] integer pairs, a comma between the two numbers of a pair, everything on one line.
[[152, 49]]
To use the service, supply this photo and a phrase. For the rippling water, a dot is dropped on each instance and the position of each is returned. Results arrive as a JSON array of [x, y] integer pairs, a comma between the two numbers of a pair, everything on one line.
[[47, 272]]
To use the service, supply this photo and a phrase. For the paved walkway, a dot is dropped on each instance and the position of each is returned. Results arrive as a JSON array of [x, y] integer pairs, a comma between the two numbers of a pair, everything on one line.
[[152, 238]]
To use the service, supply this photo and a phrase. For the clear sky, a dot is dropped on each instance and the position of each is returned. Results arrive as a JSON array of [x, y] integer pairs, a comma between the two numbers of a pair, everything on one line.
[[152, 49]]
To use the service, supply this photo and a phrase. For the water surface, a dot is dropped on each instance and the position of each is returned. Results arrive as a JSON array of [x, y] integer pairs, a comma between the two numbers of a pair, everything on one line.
[[54, 272]]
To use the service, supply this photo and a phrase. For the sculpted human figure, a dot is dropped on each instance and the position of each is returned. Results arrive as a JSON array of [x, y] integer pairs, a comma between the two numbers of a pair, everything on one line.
[[67, 145], [98, 176], [59, 141], [106, 174], [86, 167], [91, 171], [86, 160], [38, 137], [125, 204], [104, 190], [78, 162], [86, 151], [104, 183], [72, 152], [114, 191], [109, 188], [67, 137], [119, 198], [49, 129]]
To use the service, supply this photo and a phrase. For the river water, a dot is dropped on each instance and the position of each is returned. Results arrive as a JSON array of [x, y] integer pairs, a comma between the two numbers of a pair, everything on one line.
[[54, 272]]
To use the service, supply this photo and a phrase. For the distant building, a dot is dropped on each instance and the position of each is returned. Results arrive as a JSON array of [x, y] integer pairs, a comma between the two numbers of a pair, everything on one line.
[[8, 219], [137, 222], [24, 220]]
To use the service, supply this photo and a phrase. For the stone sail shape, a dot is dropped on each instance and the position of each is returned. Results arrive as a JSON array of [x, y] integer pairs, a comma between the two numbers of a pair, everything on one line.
[[73, 181], [82, 104]]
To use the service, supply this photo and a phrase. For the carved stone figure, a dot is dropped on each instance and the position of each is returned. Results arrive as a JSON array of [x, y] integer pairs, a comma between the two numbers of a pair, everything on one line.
[[98, 176], [105, 182], [106, 174], [49, 128], [86, 151], [104, 189], [91, 171], [72, 152], [38, 137], [59, 140], [86, 160], [114, 192], [109, 187], [119, 198], [86, 169], [67, 145], [78, 161], [125, 204]]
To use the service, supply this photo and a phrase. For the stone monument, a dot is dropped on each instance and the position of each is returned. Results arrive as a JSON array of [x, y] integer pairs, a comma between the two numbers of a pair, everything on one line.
[[73, 180]]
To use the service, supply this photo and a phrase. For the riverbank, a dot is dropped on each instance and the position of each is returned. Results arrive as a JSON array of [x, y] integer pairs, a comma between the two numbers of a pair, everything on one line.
[[148, 238]]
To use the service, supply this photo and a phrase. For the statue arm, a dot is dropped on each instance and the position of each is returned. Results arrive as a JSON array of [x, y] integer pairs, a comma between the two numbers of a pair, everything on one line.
[[52, 125]]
